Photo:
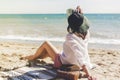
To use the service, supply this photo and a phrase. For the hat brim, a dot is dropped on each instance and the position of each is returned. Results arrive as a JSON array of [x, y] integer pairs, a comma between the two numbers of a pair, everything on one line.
[[85, 25]]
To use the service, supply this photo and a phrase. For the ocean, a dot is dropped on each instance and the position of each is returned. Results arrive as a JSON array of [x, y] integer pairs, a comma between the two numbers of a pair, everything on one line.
[[104, 28]]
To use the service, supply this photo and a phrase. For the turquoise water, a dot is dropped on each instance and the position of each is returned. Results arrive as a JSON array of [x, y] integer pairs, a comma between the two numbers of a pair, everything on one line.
[[105, 28]]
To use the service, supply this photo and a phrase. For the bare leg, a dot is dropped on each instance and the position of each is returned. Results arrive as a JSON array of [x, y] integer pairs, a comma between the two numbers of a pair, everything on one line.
[[45, 50]]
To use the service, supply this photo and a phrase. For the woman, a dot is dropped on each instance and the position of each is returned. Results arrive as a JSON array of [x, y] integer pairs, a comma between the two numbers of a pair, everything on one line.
[[75, 49]]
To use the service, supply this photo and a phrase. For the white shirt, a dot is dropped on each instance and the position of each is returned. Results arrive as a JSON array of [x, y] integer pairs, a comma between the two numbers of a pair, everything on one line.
[[75, 51]]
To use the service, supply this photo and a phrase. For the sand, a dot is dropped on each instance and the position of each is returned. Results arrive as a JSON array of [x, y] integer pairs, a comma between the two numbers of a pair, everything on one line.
[[107, 61]]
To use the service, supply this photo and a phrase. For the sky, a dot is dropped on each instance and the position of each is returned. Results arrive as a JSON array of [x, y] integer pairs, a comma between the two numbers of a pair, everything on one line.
[[57, 6]]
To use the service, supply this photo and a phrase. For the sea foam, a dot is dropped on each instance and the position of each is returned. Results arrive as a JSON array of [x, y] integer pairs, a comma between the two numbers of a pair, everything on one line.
[[60, 39]]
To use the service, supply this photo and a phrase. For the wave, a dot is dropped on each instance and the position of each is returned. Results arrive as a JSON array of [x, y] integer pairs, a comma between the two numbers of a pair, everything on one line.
[[12, 37], [105, 41], [60, 39]]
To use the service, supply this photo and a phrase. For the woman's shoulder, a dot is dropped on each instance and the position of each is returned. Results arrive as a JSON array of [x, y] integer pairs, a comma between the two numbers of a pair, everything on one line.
[[73, 37], [70, 36]]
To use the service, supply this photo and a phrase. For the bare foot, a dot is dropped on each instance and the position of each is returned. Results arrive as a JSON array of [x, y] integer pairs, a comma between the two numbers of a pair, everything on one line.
[[29, 58]]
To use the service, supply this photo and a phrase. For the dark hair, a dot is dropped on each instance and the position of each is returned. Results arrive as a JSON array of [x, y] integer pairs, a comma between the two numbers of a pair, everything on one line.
[[75, 20]]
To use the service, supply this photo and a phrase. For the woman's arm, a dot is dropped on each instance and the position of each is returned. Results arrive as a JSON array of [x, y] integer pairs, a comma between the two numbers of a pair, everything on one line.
[[88, 75], [85, 69]]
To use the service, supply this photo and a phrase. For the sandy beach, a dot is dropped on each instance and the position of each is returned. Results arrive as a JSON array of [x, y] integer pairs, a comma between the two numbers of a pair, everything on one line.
[[107, 61]]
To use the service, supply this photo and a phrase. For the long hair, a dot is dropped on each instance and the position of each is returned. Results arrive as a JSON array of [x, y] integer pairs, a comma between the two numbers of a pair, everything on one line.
[[70, 30]]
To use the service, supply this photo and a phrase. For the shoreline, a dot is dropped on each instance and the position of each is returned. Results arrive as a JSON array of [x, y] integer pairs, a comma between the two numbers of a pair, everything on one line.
[[60, 44], [107, 61]]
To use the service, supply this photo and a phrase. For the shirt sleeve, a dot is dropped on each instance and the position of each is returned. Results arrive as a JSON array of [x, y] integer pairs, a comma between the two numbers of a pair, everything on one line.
[[78, 49]]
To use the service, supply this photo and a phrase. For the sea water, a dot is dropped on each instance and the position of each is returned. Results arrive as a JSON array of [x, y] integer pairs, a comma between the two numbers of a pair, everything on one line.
[[104, 28]]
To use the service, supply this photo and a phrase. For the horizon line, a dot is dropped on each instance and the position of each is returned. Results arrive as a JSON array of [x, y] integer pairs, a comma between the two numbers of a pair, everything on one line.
[[54, 13]]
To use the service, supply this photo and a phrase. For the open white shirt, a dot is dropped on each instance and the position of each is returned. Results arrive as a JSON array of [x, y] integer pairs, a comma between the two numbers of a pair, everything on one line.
[[75, 51]]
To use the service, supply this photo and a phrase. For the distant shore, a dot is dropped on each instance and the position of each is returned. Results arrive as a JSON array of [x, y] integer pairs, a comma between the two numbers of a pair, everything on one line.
[[106, 61]]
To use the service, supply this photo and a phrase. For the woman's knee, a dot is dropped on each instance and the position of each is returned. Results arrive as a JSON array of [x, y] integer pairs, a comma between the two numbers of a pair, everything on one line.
[[48, 43], [45, 43]]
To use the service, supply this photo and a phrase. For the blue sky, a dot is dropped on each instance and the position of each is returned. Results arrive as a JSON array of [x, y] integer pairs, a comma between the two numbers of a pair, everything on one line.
[[58, 6]]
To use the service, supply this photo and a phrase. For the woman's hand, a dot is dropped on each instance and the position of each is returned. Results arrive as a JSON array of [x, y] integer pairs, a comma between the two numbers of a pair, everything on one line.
[[88, 75], [78, 9]]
